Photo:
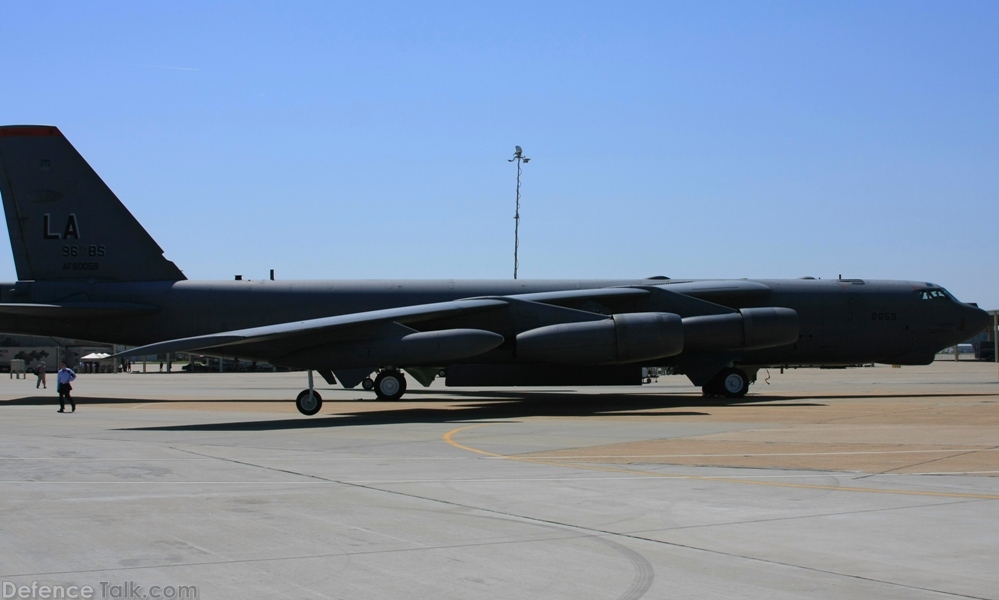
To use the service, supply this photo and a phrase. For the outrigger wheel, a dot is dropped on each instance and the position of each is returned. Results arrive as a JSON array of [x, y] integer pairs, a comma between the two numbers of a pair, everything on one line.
[[390, 385], [309, 402]]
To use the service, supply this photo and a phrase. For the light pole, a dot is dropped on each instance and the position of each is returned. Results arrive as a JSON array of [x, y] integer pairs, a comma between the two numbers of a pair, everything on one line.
[[518, 156]]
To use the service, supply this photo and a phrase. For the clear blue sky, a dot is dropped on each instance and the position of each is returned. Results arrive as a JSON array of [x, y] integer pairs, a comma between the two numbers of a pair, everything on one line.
[[688, 139]]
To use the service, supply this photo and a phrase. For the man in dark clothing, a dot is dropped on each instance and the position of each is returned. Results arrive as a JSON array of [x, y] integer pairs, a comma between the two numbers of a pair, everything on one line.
[[40, 372]]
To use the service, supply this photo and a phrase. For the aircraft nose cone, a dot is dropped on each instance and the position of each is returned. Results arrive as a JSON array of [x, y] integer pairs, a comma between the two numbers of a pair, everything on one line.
[[976, 320]]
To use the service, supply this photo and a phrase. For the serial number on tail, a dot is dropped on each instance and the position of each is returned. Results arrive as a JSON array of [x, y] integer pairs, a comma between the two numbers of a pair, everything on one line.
[[81, 266], [92, 250]]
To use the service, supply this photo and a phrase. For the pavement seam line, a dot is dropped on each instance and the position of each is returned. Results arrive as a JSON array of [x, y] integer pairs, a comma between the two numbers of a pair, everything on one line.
[[449, 439], [587, 531]]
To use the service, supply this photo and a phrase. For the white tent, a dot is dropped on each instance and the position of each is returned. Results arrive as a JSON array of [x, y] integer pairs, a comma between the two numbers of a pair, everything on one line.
[[95, 356]]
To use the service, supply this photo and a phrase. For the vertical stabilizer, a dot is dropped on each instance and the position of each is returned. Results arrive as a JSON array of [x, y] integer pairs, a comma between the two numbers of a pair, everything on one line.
[[64, 221]]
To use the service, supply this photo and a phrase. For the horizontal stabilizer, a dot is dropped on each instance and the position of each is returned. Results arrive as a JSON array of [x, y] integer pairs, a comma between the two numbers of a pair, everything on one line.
[[75, 310]]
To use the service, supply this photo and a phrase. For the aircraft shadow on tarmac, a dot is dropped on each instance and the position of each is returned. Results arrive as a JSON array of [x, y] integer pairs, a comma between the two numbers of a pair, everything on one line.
[[487, 405], [492, 406], [54, 401]]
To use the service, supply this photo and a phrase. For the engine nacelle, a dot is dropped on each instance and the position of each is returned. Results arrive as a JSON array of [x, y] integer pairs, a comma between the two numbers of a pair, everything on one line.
[[417, 348], [749, 329], [620, 339]]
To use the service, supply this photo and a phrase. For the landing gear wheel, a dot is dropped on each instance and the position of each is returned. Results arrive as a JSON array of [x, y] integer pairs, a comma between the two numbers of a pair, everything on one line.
[[734, 383], [390, 385], [309, 405], [367, 384], [729, 383]]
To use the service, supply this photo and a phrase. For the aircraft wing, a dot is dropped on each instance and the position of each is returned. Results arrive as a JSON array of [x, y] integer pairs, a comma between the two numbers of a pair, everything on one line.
[[326, 325], [608, 325], [370, 319], [525, 311]]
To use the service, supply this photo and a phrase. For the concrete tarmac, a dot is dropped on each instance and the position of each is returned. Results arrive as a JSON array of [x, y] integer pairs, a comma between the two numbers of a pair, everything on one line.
[[860, 483]]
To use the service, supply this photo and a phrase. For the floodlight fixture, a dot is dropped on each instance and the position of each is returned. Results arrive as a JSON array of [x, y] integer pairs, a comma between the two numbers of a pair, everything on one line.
[[518, 156]]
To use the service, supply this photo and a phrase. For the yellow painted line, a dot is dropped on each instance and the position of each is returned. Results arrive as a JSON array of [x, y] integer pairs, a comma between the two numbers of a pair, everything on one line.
[[449, 439]]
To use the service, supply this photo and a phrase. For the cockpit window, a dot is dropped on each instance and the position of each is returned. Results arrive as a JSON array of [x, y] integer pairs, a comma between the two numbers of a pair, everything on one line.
[[934, 294]]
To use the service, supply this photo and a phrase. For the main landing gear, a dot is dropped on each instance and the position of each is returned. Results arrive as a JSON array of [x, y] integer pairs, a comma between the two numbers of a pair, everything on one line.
[[309, 401], [730, 383], [390, 385]]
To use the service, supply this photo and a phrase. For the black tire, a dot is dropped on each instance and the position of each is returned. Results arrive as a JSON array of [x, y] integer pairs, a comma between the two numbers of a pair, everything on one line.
[[367, 384], [307, 406], [390, 385], [733, 383]]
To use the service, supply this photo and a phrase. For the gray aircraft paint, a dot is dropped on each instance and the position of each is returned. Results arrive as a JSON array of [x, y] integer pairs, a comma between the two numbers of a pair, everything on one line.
[[88, 270]]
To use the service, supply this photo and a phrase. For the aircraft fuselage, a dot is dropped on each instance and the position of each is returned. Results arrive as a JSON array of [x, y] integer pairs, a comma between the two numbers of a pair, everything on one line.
[[841, 322]]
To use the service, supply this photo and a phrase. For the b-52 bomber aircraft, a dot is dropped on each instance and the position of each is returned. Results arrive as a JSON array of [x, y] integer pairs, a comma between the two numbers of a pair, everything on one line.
[[87, 270]]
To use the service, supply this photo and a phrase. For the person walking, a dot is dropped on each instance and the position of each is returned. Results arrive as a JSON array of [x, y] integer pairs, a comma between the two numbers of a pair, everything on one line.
[[63, 379], [40, 372]]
